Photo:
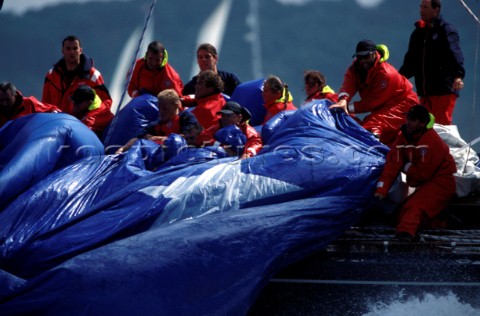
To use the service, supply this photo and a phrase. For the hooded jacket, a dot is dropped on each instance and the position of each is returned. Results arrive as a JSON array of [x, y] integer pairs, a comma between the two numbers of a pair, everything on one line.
[[153, 81], [423, 158], [326, 93], [383, 87], [279, 105], [60, 83], [384, 92], [207, 108], [98, 116], [26, 105]]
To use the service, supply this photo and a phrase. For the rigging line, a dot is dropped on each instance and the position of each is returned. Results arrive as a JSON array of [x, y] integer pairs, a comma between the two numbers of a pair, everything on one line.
[[130, 71], [474, 84], [475, 67], [470, 11]]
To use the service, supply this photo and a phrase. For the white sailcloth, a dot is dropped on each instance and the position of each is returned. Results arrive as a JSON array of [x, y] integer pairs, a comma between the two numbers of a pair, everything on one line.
[[124, 63], [212, 30]]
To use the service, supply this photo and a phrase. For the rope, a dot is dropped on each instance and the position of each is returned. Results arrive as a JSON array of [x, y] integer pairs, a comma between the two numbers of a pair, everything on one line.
[[470, 11], [130, 72], [474, 97]]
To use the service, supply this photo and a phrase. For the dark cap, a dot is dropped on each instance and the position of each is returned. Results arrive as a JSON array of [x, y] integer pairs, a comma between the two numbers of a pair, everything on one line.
[[419, 112], [233, 107], [365, 47], [83, 93]]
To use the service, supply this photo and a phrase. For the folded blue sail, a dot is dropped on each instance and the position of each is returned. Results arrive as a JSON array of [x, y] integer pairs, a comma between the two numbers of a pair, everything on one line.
[[195, 235], [249, 95], [34, 145], [132, 120]]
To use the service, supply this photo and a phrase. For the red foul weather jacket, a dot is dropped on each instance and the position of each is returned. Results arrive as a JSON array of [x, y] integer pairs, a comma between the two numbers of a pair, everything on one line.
[[429, 168], [326, 93], [60, 83], [385, 93], [153, 81], [275, 107], [25, 106], [424, 159], [253, 145], [207, 108], [98, 116]]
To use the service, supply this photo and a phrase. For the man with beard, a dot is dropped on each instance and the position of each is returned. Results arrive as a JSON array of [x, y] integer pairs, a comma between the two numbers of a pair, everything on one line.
[[384, 93]]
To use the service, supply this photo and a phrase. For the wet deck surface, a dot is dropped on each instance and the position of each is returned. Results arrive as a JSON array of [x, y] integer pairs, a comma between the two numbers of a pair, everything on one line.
[[367, 265], [345, 280]]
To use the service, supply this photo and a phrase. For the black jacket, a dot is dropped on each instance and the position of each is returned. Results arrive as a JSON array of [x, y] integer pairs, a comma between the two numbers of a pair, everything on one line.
[[434, 58], [230, 82]]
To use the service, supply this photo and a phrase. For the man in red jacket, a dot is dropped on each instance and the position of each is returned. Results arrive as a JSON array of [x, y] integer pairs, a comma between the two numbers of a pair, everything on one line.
[[208, 98], [153, 73], [14, 105], [423, 156], [70, 72], [233, 113], [384, 93], [91, 110]]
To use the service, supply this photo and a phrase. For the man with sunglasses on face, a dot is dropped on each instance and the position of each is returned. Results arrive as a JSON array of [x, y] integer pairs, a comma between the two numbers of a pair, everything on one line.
[[384, 93]]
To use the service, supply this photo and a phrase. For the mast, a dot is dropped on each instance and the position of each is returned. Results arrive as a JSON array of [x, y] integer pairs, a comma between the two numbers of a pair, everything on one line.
[[122, 69]]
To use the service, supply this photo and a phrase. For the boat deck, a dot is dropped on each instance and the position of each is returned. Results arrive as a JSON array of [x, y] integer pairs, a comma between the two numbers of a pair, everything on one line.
[[367, 265]]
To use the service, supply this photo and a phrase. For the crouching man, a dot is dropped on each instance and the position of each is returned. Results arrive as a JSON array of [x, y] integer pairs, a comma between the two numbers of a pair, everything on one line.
[[422, 155], [91, 110]]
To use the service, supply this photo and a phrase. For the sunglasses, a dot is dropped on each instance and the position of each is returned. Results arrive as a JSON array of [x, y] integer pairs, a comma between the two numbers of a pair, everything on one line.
[[364, 56]]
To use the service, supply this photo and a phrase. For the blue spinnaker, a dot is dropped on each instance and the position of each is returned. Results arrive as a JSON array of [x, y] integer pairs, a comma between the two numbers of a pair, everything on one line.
[[249, 95], [33, 146], [131, 121], [131, 235]]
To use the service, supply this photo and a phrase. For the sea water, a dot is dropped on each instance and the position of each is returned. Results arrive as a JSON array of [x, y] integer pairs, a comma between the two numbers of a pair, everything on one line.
[[424, 305]]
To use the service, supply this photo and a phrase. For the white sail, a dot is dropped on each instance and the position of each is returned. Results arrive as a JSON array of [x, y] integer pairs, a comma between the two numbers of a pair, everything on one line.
[[127, 56], [253, 36], [212, 30]]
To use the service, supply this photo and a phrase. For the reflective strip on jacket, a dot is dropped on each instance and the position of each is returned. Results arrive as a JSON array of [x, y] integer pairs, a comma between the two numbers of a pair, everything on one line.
[[57, 90]]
